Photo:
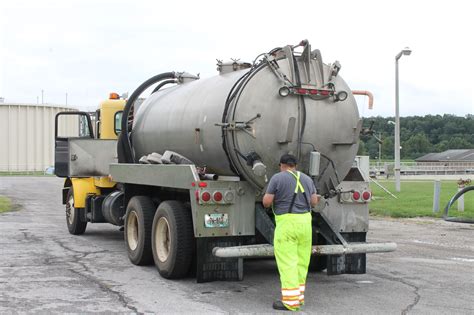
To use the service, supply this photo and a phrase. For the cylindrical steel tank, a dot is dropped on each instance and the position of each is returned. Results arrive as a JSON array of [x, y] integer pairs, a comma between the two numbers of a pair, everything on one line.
[[193, 120]]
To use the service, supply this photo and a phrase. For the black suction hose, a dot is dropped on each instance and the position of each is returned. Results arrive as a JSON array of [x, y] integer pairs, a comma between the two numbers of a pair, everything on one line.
[[159, 86], [124, 135], [450, 203]]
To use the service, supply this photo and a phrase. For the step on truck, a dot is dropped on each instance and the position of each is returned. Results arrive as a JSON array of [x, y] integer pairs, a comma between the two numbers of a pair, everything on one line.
[[183, 170]]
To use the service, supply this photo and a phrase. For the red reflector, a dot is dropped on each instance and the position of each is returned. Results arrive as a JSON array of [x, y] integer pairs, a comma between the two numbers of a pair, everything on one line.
[[193, 184], [202, 184], [366, 195], [301, 91], [217, 196], [356, 195], [324, 92], [205, 196], [313, 92], [196, 193]]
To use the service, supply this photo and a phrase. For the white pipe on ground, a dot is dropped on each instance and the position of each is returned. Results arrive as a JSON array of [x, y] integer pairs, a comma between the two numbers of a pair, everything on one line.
[[266, 250]]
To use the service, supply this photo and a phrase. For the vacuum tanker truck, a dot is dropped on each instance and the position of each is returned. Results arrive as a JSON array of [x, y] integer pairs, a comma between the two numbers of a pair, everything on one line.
[[183, 171]]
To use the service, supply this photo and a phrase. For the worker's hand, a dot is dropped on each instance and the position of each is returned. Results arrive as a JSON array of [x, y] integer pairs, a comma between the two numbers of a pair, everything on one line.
[[315, 199], [268, 200]]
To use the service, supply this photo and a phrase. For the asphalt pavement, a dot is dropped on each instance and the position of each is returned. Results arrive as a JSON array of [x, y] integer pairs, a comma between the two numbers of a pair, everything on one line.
[[44, 269]]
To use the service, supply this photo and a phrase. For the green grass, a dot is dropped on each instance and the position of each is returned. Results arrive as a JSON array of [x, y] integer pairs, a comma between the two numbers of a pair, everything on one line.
[[416, 200], [5, 204], [30, 173]]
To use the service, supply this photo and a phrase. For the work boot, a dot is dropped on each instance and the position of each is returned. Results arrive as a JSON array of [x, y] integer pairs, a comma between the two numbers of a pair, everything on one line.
[[278, 305]]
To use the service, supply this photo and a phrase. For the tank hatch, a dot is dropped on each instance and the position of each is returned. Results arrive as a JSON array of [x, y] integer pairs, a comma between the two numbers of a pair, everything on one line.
[[232, 65]]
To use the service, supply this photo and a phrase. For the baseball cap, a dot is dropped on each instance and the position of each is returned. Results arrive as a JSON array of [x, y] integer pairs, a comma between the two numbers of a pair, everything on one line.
[[288, 159]]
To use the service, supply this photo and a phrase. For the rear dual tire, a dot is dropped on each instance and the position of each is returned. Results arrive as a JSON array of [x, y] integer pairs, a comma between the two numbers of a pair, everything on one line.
[[164, 235], [137, 230], [172, 238]]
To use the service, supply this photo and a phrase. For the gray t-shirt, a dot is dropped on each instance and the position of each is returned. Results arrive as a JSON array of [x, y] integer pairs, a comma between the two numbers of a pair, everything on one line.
[[283, 185]]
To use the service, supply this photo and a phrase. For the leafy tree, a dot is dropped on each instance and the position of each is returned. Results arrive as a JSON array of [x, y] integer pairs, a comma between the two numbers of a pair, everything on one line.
[[388, 146], [420, 135], [362, 150], [416, 146], [458, 143]]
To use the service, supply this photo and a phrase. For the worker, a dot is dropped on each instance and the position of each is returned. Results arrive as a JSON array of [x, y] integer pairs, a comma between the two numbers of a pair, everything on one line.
[[292, 195]]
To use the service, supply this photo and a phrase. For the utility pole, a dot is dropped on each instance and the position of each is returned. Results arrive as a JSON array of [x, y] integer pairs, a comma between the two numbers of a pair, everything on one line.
[[380, 146], [407, 52]]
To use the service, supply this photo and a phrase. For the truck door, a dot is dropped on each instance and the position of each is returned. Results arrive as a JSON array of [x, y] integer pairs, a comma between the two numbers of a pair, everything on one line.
[[69, 125]]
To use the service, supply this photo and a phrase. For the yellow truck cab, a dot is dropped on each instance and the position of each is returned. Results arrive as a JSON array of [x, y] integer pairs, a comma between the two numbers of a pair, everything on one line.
[[72, 161], [109, 116]]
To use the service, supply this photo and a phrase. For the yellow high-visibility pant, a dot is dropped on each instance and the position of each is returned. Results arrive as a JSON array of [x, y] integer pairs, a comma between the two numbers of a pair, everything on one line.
[[292, 243]]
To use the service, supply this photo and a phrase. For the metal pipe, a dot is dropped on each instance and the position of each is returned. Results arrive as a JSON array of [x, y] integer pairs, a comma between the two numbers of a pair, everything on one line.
[[368, 94], [209, 176], [266, 250]]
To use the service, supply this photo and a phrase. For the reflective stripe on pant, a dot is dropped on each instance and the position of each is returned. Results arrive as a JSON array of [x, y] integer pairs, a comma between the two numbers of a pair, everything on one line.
[[292, 242]]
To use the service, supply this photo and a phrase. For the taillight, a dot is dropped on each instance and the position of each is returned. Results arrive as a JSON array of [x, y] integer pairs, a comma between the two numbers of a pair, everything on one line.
[[356, 195], [202, 184], [366, 195], [217, 196], [301, 91], [324, 92], [205, 196]]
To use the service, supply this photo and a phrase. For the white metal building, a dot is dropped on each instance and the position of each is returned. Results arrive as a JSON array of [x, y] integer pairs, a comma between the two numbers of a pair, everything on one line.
[[27, 136]]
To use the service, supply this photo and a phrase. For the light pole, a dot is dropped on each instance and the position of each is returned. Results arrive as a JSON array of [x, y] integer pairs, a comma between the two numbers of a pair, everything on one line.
[[380, 147], [405, 51]]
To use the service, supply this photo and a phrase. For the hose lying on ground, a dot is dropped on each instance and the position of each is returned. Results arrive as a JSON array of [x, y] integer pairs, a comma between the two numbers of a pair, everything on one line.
[[450, 203]]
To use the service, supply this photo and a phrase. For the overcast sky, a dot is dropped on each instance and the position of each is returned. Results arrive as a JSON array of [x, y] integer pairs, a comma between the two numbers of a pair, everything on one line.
[[90, 48]]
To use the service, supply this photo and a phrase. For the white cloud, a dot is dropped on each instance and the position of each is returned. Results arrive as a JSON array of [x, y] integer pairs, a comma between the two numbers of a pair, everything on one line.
[[89, 48]]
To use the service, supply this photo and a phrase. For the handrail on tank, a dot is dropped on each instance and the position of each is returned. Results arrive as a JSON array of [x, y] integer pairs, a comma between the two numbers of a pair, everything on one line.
[[366, 93]]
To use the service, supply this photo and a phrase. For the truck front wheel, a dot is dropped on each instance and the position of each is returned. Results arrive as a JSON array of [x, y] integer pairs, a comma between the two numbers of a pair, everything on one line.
[[74, 216], [138, 223], [173, 239]]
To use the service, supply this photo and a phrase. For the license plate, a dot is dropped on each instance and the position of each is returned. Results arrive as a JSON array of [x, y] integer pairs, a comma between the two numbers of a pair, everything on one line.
[[216, 220]]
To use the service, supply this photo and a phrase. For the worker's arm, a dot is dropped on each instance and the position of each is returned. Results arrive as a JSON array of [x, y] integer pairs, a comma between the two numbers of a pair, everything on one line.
[[314, 200], [268, 200]]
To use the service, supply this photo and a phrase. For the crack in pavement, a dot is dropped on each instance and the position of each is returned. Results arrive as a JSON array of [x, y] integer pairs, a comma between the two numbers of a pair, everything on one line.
[[30, 237], [417, 298], [84, 254], [105, 288], [89, 274]]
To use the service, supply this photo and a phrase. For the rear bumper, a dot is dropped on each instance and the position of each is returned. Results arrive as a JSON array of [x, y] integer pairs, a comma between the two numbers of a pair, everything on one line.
[[266, 250]]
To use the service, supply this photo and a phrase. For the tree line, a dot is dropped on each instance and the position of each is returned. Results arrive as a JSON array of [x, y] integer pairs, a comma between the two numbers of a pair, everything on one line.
[[418, 135]]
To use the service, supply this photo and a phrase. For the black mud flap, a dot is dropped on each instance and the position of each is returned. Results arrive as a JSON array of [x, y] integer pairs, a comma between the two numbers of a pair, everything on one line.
[[211, 268], [352, 263]]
